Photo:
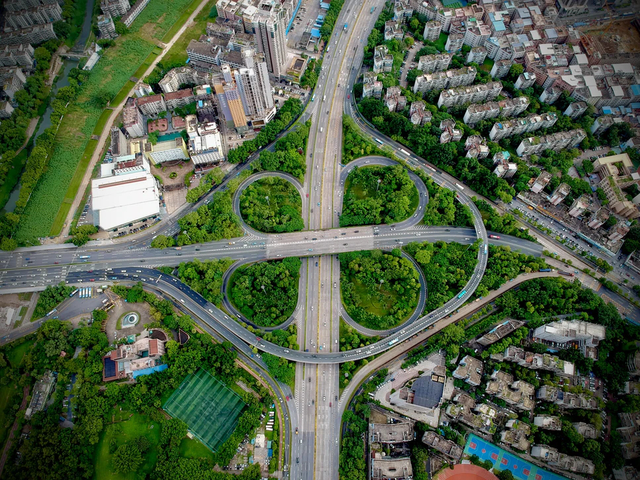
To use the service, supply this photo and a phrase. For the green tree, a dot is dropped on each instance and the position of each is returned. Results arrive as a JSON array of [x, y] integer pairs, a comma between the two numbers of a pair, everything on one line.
[[127, 458]]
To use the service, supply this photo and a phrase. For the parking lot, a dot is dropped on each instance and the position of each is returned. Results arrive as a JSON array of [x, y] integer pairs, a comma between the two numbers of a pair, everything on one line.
[[303, 22]]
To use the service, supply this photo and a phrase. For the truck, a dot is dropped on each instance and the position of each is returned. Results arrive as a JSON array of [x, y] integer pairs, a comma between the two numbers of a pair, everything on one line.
[[567, 274], [395, 340], [494, 236]]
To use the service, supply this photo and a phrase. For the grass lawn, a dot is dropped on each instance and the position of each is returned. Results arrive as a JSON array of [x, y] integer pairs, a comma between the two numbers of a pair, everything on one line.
[[442, 40], [379, 301], [102, 121], [192, 448], [178, 52], [16, 354], [487, 65], [136, 426]]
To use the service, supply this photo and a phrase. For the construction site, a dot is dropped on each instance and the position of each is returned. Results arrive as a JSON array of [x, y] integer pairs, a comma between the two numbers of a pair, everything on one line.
[[615, 37]]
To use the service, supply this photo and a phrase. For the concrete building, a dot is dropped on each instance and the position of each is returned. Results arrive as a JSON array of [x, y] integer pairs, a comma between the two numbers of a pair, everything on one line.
[[132, 360], [560, 193], [152, 105], [203, 55], [6, 109], [391, 433], [559, 460], [176, 77], [393, 31], [500, 331], [132, 119], [541, 182], [566, 400], [501, 68], [41, 391], [470, 370], [382, 59], [505, 108], [32, 35], [601, 124], [449, 131], [28, 17], [115, 8], [505, 169], [525, 80], [587, 430], [618, 232], [125, 192], [579, 205], [418, 114], [630, 434], [255, 91], [166, 151], [206, 147], [106, 26], [179, 99], [133, 12], [371, 87], [454, 42], [550, 95], [516, 435], [556, 142], [432, 31], [519, 126], [547, 422], [576, 109], [618, 203], [538, 361], [598, 219], [518, 394], [469, 94], [449, 79], [477, 55], [12, 79], [442, 445], [394, 100], [269, 25], [434, 63], [479, 417], [571, 334], [20, 55]]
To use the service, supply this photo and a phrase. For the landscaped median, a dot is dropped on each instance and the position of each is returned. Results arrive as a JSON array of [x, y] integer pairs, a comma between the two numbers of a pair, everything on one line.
[[379, 290], [272, 205]]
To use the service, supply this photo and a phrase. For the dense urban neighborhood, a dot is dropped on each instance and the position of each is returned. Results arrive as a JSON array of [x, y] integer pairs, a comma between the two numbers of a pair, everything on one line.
[[330, 240]]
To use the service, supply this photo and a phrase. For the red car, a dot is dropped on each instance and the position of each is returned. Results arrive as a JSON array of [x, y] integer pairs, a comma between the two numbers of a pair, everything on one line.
[[307, 195], [329, 403], [349, 97], [92, 280], [287, 398]]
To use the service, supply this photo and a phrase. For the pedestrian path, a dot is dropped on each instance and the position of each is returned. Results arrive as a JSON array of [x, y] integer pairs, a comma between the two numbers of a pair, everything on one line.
[[503, 460]]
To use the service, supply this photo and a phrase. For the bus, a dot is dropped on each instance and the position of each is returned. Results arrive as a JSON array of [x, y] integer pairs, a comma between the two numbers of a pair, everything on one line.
[[459, 186], [462, 294], [73, 293], [84, 256], [494, 236], [485, 248], [395, 340], [379, 141], [405, 152], [313, 97]]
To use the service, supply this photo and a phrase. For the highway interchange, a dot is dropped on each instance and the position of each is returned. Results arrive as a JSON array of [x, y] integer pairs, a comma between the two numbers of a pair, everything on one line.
[[313, 408]]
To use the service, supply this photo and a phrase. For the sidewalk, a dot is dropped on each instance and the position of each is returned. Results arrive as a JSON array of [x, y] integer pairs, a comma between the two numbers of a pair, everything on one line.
[[107, 129]]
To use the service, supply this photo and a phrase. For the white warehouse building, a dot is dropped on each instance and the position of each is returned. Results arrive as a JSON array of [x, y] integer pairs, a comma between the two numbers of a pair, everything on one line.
[[125, 192]]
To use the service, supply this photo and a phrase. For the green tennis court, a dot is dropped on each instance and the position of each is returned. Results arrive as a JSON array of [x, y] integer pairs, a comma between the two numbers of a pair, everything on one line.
[[209, 409]]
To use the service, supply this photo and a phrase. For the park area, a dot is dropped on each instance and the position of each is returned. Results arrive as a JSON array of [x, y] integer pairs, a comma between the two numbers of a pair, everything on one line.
[[379, 290], [272, 205], [209, 409], [376, 195]]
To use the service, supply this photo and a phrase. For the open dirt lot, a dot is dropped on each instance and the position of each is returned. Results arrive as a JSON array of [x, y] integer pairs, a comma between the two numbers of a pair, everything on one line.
[[621, 37]]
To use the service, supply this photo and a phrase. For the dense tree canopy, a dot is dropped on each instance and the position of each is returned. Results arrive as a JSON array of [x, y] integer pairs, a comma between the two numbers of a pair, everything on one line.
[[211, 222], [289, 154], [205, 277], [379, 290], [272, 205], [375, 195], [266, 293], [447, 268]]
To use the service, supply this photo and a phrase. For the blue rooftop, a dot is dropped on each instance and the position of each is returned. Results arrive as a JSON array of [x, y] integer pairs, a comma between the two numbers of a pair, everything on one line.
[[315, 33], [635, 89], [498, 26], [506, 155], [606, 110]]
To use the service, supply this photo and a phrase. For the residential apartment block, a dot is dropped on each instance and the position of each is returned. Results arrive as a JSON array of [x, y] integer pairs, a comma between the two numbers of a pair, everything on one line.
[[477, 55], [541, 182], [133, 12], [133, 119], [432, 31], [559, 460], [560, 193], [469, 94], [449, 131], [394, 100], [584, 336], [505, 108], [106, 26], [501, 68], [518, 394], [371, 87], [470, 370], [446, 447], [547, 422], [538, 361], [519, 126], [630, 434], [19, 55], [566, 399], [576, 109], [418, 114], [465, 410], [500, 331], [152, 105], [556, 141], [434, 63], [382, 59], [179, 99]]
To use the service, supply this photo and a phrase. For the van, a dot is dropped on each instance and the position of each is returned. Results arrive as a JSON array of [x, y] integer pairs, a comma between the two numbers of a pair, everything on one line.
[[324, 98], [321, 130]]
